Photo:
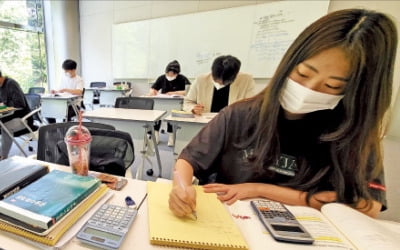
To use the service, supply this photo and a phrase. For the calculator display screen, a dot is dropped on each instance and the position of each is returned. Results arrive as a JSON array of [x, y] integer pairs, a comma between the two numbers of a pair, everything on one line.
[[102, 234], [287, 228]]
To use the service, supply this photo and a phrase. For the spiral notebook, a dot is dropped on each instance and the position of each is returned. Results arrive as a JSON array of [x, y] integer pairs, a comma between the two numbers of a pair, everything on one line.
[[213, 229]]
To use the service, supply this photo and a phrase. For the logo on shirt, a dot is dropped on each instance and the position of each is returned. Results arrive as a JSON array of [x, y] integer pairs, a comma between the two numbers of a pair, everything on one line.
[[285, 165]]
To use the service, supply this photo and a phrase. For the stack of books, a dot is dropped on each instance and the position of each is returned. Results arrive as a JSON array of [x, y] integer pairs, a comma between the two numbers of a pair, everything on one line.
[[45, 209]]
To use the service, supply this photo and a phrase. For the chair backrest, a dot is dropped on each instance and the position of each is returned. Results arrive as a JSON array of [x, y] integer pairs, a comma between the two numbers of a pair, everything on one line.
[[50, 135], [134, 103], [98, 84], [111, 151], [34, 102], [36, 90]]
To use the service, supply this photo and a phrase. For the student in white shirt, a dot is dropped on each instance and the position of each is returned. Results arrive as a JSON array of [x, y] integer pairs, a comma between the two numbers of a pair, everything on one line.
[[71, 83]]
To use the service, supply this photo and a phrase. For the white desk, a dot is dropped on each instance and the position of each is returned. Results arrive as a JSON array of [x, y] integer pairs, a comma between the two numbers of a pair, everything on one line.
[[185, 129], [137, 122], [107, 95], [57, 106], [138, 235], [167, 102]]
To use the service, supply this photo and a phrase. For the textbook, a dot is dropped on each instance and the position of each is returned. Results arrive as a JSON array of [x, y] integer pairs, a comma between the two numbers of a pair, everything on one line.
[[60, 229], [180, 113], [335, 227], [16, 173], [213, 229], [45, 201]]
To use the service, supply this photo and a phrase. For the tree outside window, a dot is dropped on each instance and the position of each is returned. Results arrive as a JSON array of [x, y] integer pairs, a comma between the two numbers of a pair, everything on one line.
[[22, 42]]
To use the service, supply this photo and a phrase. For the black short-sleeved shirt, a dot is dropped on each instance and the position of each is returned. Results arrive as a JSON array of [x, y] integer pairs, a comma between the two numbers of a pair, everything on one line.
[[178, 84], [12, 95], [218, 151]]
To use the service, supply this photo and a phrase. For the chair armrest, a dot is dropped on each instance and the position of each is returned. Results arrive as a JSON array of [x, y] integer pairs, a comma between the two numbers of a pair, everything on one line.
[[30, 114]]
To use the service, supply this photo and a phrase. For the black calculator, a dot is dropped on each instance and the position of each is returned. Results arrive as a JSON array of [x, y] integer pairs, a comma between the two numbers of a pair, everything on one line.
[[108, 226], [280, 222]]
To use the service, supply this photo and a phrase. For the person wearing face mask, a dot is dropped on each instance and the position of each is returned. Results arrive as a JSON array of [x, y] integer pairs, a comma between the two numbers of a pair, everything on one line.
[[171, 83], [71, 83], [224, 85], [313, 135]]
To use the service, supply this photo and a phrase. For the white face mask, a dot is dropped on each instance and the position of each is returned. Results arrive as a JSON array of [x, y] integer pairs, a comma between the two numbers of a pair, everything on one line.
[[170, 78], [218, 86], [67, 74], [297, 99]]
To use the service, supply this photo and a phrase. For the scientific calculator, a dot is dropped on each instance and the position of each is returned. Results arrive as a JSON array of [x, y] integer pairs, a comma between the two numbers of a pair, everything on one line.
[[280, 222], [108, 226]]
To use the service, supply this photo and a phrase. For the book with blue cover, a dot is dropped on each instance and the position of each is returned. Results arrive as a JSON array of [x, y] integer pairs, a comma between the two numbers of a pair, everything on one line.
[[45, 201]]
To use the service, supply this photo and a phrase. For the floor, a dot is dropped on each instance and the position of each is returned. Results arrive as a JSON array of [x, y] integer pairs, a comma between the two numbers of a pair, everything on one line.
[[167, 161]]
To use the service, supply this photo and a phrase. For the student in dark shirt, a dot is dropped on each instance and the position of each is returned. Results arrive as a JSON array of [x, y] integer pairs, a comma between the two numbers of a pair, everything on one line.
[[313, 135], [171, 83], [11, 95]]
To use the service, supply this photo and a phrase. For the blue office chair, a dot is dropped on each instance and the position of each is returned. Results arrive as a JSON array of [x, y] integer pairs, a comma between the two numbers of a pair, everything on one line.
[[96, 93], [36, 90]]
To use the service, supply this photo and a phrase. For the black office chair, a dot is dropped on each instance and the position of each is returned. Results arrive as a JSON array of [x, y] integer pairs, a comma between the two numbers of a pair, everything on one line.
[[134, 103], [111, 151], [98, 84], [31, 121], [96, 93], [34, 103], [36, 90], [49, 136]]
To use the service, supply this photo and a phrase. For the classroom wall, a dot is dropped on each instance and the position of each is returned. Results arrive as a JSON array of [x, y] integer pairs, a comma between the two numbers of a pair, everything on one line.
[[62, 37], [97, 18]]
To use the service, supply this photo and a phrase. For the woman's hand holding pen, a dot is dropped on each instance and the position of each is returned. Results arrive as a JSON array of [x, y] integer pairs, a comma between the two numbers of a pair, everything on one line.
[[182, 200]]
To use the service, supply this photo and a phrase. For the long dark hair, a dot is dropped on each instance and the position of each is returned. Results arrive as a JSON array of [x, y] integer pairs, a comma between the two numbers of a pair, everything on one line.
[[369, 39]]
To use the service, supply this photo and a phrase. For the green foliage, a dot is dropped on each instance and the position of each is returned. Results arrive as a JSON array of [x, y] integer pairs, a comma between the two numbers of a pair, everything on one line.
[[23, 51]]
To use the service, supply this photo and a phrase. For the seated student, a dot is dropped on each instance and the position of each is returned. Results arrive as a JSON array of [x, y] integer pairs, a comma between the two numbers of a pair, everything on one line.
[[11, 95], [313, 135], [223, 86], [170, 83], [70, 83]]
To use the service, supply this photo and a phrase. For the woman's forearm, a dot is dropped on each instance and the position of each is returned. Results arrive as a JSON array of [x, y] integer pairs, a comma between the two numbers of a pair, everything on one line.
[[282, 194]]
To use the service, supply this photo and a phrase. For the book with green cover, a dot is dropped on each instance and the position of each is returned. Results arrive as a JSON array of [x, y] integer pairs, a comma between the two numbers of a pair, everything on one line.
[[45, 201]]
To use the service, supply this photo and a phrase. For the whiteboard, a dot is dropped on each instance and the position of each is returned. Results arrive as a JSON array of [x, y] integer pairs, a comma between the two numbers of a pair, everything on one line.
[[258, 35]]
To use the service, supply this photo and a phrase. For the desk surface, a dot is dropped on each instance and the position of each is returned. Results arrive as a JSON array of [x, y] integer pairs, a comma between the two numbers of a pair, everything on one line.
[[164, 96], [138, 235], [204, 118], [125, 114], [59, 96], [108, 89]]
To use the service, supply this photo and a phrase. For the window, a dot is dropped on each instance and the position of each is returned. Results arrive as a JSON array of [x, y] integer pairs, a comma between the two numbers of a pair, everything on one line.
[[22, 42]]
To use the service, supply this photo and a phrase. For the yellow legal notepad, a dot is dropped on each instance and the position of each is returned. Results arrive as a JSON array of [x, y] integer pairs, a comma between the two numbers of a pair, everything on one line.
[[56, 233], [213, 229]]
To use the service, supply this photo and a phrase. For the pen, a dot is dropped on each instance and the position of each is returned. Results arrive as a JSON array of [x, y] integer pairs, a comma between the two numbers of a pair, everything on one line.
[[180, 182]]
